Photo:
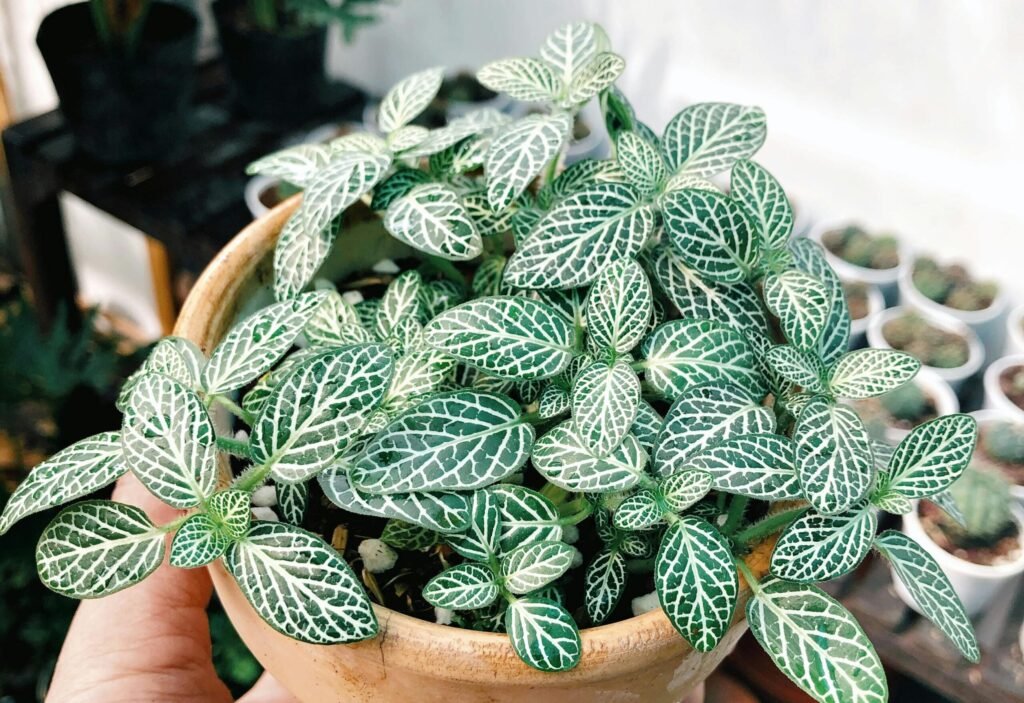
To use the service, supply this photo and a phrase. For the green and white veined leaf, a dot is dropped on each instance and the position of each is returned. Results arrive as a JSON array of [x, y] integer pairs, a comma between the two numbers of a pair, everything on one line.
[[564, 460], [696, 582], [526, 516], [441, 295], [98, 547], [337, 185], [834, 460], [300, 585], [703, 417], [197, 543], [734, 304], [311, 418], [809, 257], [292, 501], [432, 219], [823, 547], [479, 541], [619, 114], [707, 138], [710, 233], [891, 502], [640, 511], [480, 121], [417, 373], [403, 535], [405, 337], [604, 405], [406, 137], [604, 584], [462, 587], [408, 98], [641, 162], [797, 367], [452, 441], [231, 511], [583, 234], [922, 576], [802, 304], [685, 181], [638, 545], [297, 164], [570, 302], [816, 642], [593, 77], [169, 441], [74, 472], [580, 175], [443, 512], [554, 401], [509, 337], [945, 501], [570, 47], [362, 142], [397, 185], [757, 466], [335, 323], [646, 426], [487, 277], [299, 253], [763, 201], [534, 565], [682, 354], [519, 153], [543, 634], [522, 78], [488, 223], [400, 300], [867, 373], [931, 457], [178, 358], [619, 306], [684, 488], [253, 346]]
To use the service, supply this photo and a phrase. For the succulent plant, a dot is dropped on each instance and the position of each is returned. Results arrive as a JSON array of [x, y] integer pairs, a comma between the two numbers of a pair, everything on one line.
[[984, 501], [907, 402], [1004, 441], [861, 248], [497, 419], [931, 344], [952, 285]]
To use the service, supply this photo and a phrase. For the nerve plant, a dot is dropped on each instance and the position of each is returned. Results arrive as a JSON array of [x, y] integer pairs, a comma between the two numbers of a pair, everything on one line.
[[655, 360]]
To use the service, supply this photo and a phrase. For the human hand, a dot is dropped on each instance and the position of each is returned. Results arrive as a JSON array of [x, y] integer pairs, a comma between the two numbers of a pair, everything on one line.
[[149, 642]]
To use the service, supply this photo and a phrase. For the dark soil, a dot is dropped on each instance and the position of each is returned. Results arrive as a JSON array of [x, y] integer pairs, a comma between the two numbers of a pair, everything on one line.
[[1011, 382], [1004, 549], [857, 300]]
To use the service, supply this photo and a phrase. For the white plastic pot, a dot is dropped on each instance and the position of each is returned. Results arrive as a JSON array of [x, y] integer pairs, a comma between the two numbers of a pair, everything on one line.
[[976, 584], [253, 189], [955, 377], [995, 399], [989, 417], [859, 328], [887, 280], [946, 402], [989, 324], [1015, 331], [595, 145]]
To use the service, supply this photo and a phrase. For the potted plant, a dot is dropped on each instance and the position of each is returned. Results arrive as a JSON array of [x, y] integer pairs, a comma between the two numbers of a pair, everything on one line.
[[864, 256], [1001, 445], [480, 417], [1004, 385], [950, 290], [274, 50], [981, 547], [863, 300], [122, 70], [948, 348], [890, 417]]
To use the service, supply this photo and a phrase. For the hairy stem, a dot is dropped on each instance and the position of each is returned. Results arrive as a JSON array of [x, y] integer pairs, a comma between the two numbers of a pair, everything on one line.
[[736, 509], [768, 526], [233, 408], [235, 447], [253, 478], [748, 576]]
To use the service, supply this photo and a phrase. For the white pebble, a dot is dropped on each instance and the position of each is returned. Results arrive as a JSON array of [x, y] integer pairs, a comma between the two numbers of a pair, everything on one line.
[[377, 556], [577, 558], [323, 284], [242, 436], [443, 616], [265, 514], [352, 297], [386, 266], [645, 604], [265, 497], [570, 534]]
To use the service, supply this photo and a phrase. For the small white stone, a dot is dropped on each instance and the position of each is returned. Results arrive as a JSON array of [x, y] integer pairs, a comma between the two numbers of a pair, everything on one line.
[[577, 558], [386, 266], [265, 496], [242, 436], [377, 556], [645, 604], [265, 514], [570, 534], [443, 616], [352, 297]]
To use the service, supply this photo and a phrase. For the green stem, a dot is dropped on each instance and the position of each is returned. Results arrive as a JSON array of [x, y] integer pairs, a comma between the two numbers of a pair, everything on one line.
[[447, 269], [101, 22], [233, 408], [736, 508], [553, 493], [235, 447], [552, 168], [253, 478], [768, 526], [748, 575], [577, 517]]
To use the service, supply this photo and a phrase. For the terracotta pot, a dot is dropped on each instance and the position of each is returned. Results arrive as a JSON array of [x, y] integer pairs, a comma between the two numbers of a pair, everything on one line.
[[640, 659]]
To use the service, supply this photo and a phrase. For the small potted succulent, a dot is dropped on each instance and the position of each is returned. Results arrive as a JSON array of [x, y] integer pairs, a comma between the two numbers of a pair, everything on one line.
[[1001, 445], [864, 256], [947, 347], [571, 388], [863, 300], [950, 290], [977, 538], [1004, 385], [123, 71], [890, 417]]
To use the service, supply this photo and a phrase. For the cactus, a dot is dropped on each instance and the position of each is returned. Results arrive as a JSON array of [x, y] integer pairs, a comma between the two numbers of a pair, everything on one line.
[[983, 497], [933, 346], [860, 248], [952, 285], [908, 402], [1004, 441]]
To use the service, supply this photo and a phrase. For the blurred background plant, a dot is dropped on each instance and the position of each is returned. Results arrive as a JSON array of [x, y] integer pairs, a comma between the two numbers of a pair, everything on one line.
[[952, 285]]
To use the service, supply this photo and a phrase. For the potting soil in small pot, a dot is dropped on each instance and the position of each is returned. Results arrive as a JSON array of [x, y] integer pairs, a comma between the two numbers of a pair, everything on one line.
[[863, 256]]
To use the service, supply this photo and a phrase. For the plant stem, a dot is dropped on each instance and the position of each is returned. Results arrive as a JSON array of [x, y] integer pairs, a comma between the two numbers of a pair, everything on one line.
[[748, 576], [235, 447], [577, 517], [235, 409], [736, 508], [552, 168], [447, 269], [553, 493], [769, 525], [175, 524], [253, 478]]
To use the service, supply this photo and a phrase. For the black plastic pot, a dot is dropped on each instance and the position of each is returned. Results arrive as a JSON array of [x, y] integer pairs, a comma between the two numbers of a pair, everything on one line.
[[123, 108], [275, 76]]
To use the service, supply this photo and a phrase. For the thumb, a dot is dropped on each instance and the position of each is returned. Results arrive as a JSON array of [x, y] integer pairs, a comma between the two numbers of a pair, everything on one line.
[[268, 690]]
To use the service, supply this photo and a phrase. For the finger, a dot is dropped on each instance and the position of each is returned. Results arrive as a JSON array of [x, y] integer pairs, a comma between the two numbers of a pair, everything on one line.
[[268, 690]]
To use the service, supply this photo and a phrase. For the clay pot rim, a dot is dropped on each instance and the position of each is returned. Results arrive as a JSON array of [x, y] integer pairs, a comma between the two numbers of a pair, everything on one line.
[[403, 636]]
